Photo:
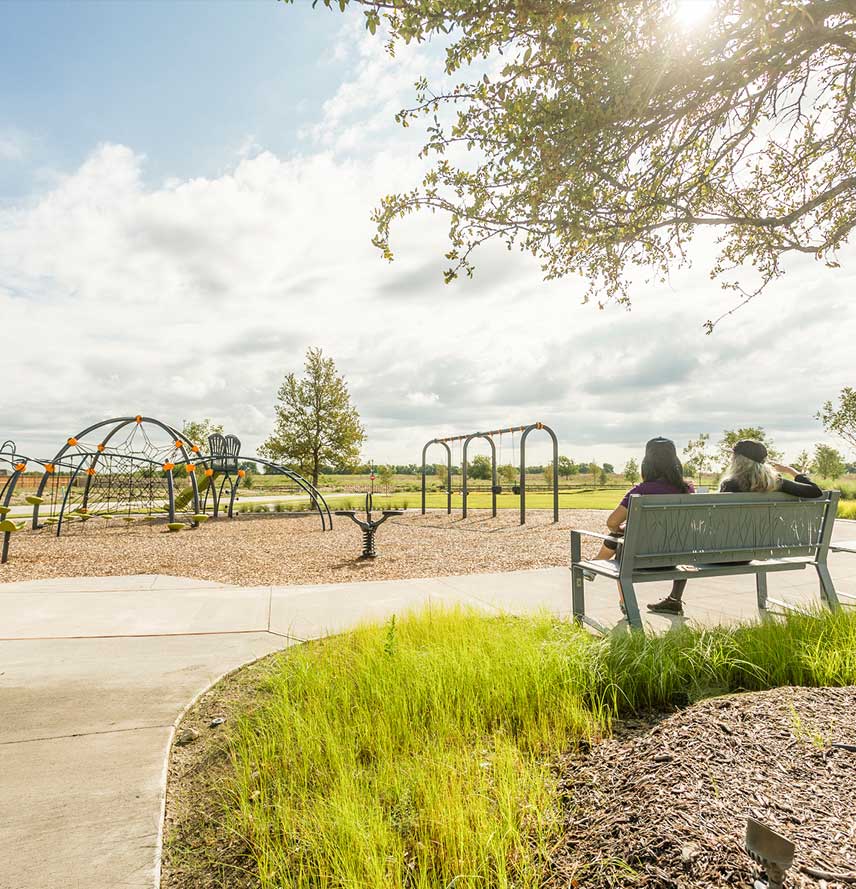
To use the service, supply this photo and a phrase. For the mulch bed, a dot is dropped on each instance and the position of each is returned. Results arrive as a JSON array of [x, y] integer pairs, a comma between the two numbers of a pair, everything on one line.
[[277, 550], [668, 806]]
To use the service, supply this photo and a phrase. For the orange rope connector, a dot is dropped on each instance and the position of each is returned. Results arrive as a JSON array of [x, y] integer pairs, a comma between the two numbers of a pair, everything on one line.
[[194, 448], [90, 471], [209, 472], [138, 419], [101, 447], [49, 468], [72, 442], [241, 473], [190, 467], [20, 467], [168, 466], [177, 443]]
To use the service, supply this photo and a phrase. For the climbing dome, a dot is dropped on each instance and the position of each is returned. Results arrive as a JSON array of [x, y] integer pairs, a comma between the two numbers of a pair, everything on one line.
[[126, 468]]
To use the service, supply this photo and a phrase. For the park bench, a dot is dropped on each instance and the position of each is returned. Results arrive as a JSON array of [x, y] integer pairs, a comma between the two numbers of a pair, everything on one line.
[[691, 536]]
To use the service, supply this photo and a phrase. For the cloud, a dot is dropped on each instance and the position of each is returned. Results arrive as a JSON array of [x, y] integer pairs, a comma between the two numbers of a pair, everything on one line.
[[192, 298]]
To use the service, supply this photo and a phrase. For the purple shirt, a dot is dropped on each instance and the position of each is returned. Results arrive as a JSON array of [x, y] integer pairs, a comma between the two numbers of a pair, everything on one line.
[[656, 487]]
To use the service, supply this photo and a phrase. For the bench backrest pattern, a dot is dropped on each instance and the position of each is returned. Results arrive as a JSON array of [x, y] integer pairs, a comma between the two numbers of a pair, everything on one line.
[[665, 530]]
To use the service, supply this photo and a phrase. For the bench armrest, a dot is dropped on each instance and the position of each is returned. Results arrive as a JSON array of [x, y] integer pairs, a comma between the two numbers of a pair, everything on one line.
[[618, 540], [576, 543]]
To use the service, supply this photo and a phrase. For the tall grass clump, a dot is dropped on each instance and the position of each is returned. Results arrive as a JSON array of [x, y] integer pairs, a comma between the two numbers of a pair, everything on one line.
[[633, 672], [422, 753], [411, 755]]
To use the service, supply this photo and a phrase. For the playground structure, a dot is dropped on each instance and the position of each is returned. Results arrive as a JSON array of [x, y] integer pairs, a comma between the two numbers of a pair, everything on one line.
[[134, 468], [495, 487]]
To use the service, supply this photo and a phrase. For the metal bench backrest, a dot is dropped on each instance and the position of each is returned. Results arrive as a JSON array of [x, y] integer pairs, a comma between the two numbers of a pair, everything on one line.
[[679, 529]]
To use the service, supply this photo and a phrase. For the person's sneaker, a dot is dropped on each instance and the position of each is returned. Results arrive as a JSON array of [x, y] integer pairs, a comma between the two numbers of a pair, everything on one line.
[[590, 576], [667, 606]]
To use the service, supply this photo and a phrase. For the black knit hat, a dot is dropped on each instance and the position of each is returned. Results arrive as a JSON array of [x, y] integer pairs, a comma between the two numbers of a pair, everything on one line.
[[754, 450], [660, 447]]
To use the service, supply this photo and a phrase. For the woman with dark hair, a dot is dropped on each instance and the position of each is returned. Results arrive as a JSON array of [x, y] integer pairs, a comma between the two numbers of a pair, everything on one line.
[[662, 473]]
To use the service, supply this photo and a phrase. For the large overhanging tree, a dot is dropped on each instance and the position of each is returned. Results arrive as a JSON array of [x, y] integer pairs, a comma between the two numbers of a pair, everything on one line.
[[610, 131]]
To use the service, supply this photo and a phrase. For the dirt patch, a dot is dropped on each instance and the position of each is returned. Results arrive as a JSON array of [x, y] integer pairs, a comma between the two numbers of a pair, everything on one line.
[[279, 550], [668, 808], [198, 853]]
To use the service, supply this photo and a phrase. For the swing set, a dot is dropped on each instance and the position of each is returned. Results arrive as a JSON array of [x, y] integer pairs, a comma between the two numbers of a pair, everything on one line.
[[462, 442]]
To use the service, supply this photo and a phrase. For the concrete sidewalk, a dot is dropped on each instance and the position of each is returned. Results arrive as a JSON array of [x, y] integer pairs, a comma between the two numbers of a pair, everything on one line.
[[94, 672]]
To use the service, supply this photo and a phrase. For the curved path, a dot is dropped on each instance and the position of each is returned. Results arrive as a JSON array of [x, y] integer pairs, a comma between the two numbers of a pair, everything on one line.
[[95, 672]]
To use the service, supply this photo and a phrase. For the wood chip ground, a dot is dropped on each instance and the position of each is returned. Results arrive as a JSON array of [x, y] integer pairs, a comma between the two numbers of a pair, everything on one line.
[[668, 807], [278, 550]]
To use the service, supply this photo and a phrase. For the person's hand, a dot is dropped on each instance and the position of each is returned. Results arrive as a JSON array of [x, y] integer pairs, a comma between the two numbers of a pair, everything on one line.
[[784, 468]]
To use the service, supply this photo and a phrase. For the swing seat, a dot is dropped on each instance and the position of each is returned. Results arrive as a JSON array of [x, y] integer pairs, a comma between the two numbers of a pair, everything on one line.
[[7, 526], [175, 526], [51, 521], [106, 516], [34, 499], [129, 518], [200, 518], [5, 510], [515, 489], [496, 489]]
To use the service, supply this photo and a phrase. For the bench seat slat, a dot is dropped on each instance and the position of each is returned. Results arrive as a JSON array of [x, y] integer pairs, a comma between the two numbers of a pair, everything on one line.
[[609, 568]]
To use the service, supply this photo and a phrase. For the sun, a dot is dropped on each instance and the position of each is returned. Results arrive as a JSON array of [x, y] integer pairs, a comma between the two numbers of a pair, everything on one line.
[[691, 14]]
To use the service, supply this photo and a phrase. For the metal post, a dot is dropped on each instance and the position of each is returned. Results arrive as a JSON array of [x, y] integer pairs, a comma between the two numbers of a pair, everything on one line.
[[555, 440]]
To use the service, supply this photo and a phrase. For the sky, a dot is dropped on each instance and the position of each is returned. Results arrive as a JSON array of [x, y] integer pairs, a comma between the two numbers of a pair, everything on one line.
[[185, 200]]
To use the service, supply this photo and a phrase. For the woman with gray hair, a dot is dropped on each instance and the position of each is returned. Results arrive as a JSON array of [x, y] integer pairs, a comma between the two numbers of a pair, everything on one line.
[[748, 471]]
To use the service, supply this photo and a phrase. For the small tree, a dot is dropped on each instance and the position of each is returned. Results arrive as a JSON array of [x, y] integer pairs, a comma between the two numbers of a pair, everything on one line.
[[698, 459], [385, 475], [603, 477], [594, 469], [730, 437], [548, 475], [480, 467], [803, 461], [841, 420], [608, 468], [631, 471], [507, 473], [828, 462], [197, 431], [442, 473], [315, 420], [566, 467]]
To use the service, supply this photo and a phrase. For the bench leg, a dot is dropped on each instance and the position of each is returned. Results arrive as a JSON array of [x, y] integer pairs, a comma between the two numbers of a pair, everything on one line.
[[761, 590], [578, 596], [827, 588], [630, 603]]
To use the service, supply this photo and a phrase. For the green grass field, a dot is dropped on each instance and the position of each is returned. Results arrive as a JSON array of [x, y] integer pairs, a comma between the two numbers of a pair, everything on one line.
[[420, 754]]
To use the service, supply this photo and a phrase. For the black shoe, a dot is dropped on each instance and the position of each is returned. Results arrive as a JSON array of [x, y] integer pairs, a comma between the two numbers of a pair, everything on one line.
[[667, 606]]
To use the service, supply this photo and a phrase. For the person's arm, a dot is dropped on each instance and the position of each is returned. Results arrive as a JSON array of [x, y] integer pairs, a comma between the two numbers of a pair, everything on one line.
[[617, 518], [801, 486]]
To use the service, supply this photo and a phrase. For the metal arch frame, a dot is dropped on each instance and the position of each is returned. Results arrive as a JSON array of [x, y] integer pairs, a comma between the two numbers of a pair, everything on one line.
[[121, 423], [467, 440], [13, 458], [448, 473], [314, 494], [523, 437], [8, 489]]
